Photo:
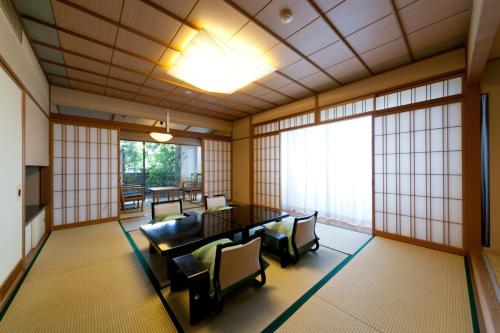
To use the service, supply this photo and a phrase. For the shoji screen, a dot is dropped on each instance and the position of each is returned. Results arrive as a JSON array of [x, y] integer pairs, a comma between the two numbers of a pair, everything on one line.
[[216, 167], [418, 174], [266, 171], [85, 161]]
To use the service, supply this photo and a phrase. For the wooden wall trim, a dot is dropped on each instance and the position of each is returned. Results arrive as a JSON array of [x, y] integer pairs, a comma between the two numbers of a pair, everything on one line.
[[86, 223], [419, 242], [472, 169], [83, 121]]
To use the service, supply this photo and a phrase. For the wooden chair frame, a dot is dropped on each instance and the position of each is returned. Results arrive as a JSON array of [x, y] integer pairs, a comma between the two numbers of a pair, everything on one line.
[[133, 188], [164, 202], [212, 196]]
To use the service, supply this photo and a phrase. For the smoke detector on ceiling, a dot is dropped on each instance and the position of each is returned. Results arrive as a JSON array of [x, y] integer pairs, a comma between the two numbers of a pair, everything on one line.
[[286, 16]]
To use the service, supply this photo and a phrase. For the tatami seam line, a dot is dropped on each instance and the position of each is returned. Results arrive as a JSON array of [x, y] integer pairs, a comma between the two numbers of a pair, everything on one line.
[[152, 279], [311, 292]]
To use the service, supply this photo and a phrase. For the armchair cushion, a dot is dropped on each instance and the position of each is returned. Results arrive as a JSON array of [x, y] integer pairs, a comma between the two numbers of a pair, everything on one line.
[[284, 227], [168, 217], [206, 255], [218, 208]]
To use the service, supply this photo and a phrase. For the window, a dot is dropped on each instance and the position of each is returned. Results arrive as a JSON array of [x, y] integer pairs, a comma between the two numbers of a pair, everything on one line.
[[329, 168]]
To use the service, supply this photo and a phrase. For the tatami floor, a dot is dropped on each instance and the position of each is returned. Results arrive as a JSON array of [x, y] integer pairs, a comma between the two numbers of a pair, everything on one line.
[[90, 280]]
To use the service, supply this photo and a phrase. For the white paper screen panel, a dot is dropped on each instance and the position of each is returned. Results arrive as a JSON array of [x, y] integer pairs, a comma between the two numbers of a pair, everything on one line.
[[85, 183], [347, 109], [266, 171], [266, 128], [287, 123], [418, 174], [421, 93], [217, 167]]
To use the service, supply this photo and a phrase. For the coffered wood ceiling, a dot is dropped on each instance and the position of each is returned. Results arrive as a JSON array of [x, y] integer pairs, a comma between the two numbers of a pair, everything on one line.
[[122, 48]]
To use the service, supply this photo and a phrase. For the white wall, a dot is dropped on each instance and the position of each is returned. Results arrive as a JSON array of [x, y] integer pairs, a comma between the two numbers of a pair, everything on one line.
[[11, 176], [22, 61], [36, 135]]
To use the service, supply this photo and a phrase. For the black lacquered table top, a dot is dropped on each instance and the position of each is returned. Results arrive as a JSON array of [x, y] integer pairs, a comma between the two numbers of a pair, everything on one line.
[[199, 229]]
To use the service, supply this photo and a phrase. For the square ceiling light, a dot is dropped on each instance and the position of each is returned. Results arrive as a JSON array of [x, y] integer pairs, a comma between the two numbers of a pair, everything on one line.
[[213, 65]]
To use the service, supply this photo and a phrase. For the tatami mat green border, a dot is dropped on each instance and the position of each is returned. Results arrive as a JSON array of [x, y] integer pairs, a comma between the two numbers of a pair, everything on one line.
[[152, 279], [14, 293], [473, 309], [304, 298]]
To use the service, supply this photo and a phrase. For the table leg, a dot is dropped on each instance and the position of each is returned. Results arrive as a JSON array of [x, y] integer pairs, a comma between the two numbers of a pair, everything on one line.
[[245, 234]]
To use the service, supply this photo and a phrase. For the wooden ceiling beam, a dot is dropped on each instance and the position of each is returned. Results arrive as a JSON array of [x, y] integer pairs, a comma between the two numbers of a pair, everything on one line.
[[117, 24], [403, 32], [337, 32], [133, 127], [283, 41]]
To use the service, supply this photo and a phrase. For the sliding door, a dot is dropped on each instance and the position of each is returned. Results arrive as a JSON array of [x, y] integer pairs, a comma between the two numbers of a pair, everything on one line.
[[11, 176], [85, 174], [418, 174], [266, 171], [216, 167]]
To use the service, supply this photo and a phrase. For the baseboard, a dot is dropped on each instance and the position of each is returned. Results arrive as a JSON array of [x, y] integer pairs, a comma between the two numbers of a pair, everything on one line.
[[86, 223], [10, 283], [414, 241]]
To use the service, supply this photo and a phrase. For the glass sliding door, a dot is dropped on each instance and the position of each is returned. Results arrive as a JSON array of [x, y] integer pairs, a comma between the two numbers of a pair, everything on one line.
[[329, 168]]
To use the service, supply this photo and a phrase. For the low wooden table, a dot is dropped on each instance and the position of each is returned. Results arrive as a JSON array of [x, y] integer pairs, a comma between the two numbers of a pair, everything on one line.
[[170, 191]]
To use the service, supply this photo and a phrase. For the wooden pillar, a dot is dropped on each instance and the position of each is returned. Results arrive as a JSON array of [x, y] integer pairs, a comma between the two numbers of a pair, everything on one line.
[[472, 169]]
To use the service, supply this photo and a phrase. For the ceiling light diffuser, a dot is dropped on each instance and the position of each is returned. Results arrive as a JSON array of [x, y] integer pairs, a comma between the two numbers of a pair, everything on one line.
[[212, 64]]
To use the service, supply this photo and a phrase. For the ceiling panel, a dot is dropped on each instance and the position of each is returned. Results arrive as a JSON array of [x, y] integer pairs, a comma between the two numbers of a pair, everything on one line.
[[161, 74], [108, 8], [210, 98], [131, 62], [54, 69], [332, 55], [159, 85], [390, 51], [326, 5], [178, 99], [318, 82], [422, 13], [276, 98], [252, 7], [84, 46], [58, 81], [453, 29], [146, 122], [253, 39], [303, 14], [255, 90], [147, 99], [127, 75], [183, 37], [299, 70], [376, 34], [86, 87], [280, 56], [260, 104], [179, 7], [275, 81], [217, 17], [295, 90], [313, 37], [170, 104], [80, 75], [80, 22], [185, 92], [133, 88], [403, 3], [119, 93], [139, 45], [151, 21], [86, 64], [41, 9], [352, 15], [48, 53], [199, 129], [246, 108], [348, 70], [152, 92], [41, 33]]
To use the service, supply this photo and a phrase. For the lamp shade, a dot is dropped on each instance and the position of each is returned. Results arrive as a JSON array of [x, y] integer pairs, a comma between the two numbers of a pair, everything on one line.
[[161, 137], [214, 65]]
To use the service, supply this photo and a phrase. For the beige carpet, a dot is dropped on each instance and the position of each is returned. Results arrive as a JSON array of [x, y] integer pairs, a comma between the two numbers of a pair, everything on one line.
[[254, 308], [87, 280], [390, 287]]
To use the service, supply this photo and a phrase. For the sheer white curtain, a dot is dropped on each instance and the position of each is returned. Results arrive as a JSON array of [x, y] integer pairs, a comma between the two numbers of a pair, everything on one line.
[[328, 168]]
